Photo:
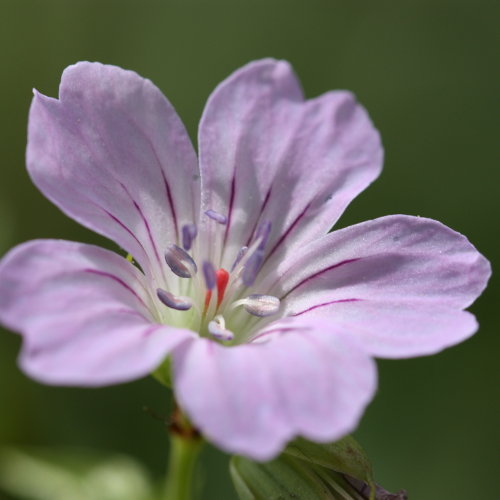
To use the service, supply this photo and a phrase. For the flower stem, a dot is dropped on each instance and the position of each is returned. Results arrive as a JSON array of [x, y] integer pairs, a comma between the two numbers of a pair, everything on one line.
[[185, 446]]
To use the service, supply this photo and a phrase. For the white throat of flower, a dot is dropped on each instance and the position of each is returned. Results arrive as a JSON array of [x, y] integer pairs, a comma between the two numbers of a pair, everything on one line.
[[210, 299]]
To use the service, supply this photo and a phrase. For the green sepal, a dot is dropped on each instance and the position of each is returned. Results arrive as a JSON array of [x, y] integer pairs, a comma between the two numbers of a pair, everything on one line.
[[164, 373], [278, 479], [306, 471], [345, 456]]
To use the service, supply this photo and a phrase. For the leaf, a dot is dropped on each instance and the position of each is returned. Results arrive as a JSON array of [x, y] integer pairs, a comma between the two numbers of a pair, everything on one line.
[[280, 479], [345, 456], [308, 471]]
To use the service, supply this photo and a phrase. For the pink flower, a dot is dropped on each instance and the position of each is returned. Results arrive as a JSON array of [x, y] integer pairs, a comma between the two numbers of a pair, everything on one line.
[[271, 322]]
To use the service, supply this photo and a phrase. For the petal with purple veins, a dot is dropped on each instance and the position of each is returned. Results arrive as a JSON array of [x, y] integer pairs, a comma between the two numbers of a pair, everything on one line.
[[398, 282], [113, 154], [85, 314], [251, 399], [266, 154]]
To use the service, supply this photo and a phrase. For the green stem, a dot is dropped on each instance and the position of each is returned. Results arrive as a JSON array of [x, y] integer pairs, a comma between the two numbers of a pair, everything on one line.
[[184, 451]]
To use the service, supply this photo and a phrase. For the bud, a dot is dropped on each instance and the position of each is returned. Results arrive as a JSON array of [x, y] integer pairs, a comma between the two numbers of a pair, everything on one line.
[[310, 471]]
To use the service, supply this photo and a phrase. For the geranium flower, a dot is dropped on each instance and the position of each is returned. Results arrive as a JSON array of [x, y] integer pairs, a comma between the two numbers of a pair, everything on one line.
[[270, 322]]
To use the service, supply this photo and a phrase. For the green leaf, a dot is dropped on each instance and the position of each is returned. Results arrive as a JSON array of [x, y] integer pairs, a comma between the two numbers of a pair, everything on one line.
[[48, 474], [345, 456], [279, 479], [307, 471]]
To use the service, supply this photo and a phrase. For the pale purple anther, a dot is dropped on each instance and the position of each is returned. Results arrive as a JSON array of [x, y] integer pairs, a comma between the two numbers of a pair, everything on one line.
[[209, 275], [252, 267], [263, 232], [189, 232], [218, 331], [241, 253], [174, 302], [180, 262], [216, 216], [261, 305], [112, 153]]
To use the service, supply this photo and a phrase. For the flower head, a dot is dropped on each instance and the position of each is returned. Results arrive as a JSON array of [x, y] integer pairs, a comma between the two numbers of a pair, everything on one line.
[[271, 323]]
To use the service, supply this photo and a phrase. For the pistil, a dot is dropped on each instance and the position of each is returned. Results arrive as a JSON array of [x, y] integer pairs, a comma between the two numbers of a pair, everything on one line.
[[212, 312]]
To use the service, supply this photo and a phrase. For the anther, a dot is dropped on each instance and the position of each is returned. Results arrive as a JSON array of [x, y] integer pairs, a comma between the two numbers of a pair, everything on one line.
[[262, 233], [241, 253], [261, 305], [252, 267], [174, 302], [216, 216], [217, 328], [189, 233], [180, 262], [209, 275]]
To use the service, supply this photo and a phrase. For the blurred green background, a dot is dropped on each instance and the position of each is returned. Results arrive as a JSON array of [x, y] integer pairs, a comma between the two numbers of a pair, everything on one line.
[[428, 73]]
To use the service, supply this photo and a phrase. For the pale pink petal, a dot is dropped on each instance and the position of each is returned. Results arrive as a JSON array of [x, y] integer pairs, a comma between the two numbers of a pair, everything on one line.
[[303, 378], [268, 155], [113, 154], [398, 282], [396, 329], [84, 312]]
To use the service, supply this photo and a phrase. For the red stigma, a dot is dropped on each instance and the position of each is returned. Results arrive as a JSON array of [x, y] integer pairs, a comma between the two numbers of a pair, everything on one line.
[[222, 278]]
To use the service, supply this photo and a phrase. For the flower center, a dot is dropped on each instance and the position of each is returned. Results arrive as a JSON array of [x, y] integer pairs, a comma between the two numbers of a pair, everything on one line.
[[216, 297]]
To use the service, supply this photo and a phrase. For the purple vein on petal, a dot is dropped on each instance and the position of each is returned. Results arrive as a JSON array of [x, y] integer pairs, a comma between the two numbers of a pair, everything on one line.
[[230, 208], [325, 304], [118, 280], [319, 273], [262, 208], [288, 231], [160, 166], [129, 231], [148, 229], [146, 224], [170, 202], [151, 330], [274, 330]]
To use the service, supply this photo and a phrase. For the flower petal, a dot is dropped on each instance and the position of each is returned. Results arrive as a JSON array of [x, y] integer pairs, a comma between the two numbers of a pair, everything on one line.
[[251, 399], [108, 153], [268, 155], [398, 282], [84, 312], [395, 329]]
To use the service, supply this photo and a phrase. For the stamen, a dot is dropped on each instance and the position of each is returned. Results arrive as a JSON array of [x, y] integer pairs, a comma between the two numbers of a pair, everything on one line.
[[189, 232], [209, 275], [216, 216], [217, 328], [174, 302], [262, 233], [252, 267], [261, 305], [180, 262], [241, 253]]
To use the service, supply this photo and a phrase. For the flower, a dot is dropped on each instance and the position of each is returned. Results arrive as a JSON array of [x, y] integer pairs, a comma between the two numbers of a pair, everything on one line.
[[270, 322]]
